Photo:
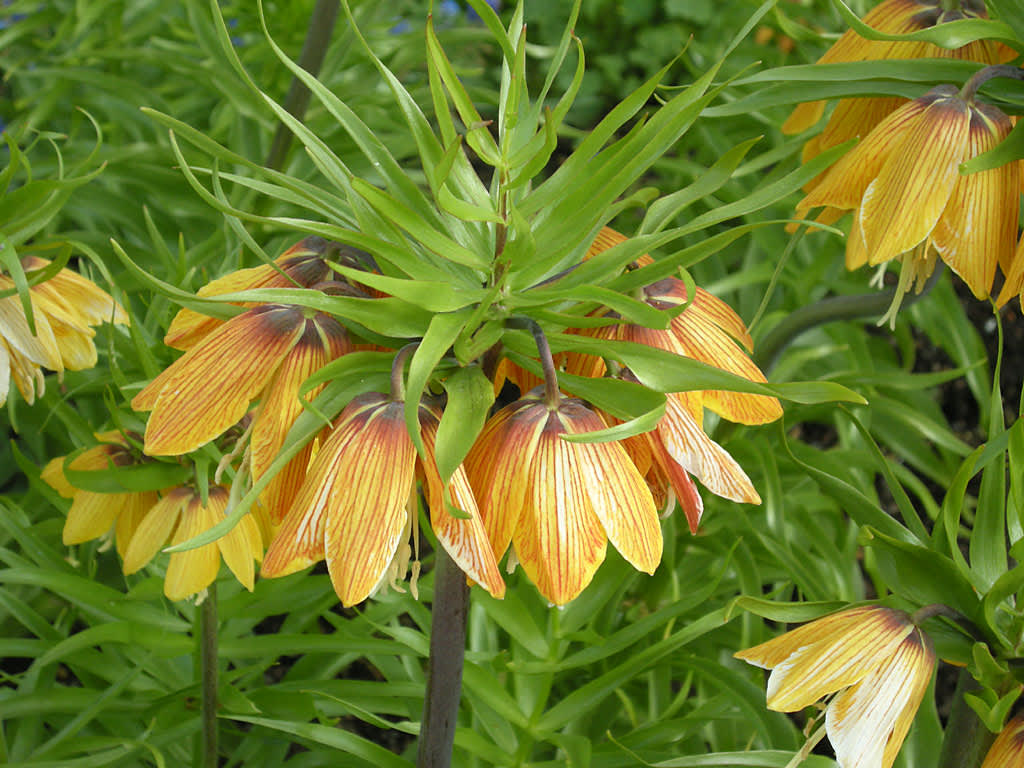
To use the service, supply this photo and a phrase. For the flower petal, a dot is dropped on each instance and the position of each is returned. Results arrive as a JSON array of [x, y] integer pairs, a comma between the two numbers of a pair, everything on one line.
[[322, 340], [300, 540], [464, 539], [619, 496], [867, 723], [702, 457], [902, 205], [499, 468], [978, 228], [368, 506], [210, 387], [154, 530], [193, 570], [558, 539], [836, 658], [844, 184]]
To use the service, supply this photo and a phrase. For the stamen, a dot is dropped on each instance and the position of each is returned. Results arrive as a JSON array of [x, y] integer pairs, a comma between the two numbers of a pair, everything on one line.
[[670, 504]]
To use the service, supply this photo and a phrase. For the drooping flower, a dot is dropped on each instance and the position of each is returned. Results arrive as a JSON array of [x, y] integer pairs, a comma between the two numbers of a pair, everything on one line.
[[92, 513], [357, 507], [64, 309], [263, 354], [873, 661], [909, 200], [304, 265], [1007, 751], [854, 117], [180, 515], [559, 502], [709, 331]]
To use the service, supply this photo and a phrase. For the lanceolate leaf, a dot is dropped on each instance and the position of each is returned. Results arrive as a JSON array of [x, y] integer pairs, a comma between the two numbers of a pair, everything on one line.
[[470, 396], [438, 339]]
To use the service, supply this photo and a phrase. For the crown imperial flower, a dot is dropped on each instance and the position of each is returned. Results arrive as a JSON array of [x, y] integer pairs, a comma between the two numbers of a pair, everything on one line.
[[356, 509], [64, 309], [559, 502], [182, 514], [874, 660], [910, 201]]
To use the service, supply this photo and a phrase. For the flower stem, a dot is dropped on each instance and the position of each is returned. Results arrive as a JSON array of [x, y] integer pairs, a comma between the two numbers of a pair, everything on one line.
[[985, 74], [826, 311], [449, 613], [551, 394], [967, 740], [208, 666], [318, 35]]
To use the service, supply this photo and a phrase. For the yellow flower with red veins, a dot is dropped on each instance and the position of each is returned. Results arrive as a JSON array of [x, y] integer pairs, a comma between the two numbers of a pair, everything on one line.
[[1007, 751], [64, 309], [358, 505], [304, 265], [263, 354], [559, 502], [181, 515], [909, 200], [709, 331], [92, 513], [873, 661], [855, 117]]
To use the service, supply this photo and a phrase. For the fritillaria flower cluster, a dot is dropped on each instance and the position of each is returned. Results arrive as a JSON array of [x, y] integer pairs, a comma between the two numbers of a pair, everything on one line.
[[350, 496], [903, 182]]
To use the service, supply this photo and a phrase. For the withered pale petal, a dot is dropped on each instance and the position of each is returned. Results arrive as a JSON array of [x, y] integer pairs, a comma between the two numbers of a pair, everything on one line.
[[367, 516], [88, 300], [558, 539], [867, 722], [40, 348], [5, 372], [771, 653], [210, 387], [833, 663], [901, 206]]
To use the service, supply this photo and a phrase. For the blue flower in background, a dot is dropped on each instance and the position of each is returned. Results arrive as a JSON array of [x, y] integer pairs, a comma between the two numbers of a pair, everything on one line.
[[446, 13]]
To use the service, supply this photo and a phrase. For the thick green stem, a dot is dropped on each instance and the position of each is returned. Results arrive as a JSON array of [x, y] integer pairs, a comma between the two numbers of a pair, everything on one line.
[[444, 669], [208, 666], [318, 36], [967, 740], [827, 311]]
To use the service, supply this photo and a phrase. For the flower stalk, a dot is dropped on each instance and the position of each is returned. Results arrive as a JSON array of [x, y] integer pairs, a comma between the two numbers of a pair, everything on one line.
[[449, 612], [208, 671], [983, 75]]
